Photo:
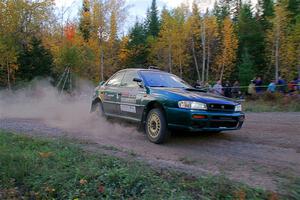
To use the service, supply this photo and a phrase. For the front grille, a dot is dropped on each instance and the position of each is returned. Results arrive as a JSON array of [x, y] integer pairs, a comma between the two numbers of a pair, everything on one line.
[[226, 124], [221, 107], [224, 118]]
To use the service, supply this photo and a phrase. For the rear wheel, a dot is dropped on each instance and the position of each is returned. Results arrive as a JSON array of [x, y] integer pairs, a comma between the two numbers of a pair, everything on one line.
[[156, 126], [99, 110]]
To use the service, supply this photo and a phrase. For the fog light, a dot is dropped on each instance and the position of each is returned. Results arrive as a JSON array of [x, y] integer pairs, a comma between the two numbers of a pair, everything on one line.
[[199, 116]]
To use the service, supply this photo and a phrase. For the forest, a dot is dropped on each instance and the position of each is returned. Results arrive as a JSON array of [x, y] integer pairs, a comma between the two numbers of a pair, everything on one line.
[[235, 40]]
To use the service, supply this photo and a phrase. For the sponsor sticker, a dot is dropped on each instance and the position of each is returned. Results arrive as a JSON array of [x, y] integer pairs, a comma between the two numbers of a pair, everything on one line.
[[128, 108], [128, 100]]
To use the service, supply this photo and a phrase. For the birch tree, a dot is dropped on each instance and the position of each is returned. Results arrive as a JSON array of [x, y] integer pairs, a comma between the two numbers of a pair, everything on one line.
[[277, 38], [194, 27], [228, 52], [100, 31], [212, 38]]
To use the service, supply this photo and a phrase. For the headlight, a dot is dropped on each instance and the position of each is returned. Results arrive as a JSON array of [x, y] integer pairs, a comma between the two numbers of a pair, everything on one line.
[[238, 108], [192, 105]]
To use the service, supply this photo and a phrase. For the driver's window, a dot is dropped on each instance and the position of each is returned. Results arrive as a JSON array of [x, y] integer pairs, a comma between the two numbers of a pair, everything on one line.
[[116, 80], [128, 79]]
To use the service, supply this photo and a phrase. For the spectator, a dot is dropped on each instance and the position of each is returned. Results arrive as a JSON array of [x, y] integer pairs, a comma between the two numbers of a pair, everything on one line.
[[227, 89], [236, 92], [293, 86], [197, 84], [251, 88], [281, 85], [258, 85], [272, 87], [208, 87], [218, 89]]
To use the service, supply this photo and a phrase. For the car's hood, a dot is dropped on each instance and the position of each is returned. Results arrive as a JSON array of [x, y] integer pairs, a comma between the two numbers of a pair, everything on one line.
[[196, 95]]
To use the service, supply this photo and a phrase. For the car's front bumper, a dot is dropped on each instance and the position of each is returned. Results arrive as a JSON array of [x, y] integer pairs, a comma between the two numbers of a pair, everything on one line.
[[198, 120]]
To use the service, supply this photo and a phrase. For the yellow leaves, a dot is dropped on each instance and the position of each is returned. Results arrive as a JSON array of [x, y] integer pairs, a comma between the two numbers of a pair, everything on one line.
[[228, 51], [211, 27], [124, 53], [280, 47], [45, 154], [86, 14], [83, 181], [240, 195], [173, 36], [113, 29], [273, 196], [49, 189]]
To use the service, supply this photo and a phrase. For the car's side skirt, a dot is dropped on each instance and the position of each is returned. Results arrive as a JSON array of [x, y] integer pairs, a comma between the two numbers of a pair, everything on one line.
[[123, 117]]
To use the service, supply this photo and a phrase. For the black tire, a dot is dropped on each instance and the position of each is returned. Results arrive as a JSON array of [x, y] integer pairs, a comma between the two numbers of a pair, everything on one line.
[[156, 126], [214, 132]]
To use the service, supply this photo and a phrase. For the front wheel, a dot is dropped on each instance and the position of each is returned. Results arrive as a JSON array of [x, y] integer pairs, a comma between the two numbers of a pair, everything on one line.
[[156, 126], [214, 132]]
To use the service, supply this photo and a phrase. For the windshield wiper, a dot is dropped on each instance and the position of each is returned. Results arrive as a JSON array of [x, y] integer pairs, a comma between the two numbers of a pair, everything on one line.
[[158, 86], [196, 89]]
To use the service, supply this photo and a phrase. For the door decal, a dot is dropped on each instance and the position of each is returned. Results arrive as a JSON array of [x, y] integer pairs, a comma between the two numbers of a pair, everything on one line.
[[127, 100], [128, 108]]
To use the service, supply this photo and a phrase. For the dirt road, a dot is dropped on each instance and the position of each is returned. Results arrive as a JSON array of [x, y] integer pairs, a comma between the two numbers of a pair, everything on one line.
[[264, 153]]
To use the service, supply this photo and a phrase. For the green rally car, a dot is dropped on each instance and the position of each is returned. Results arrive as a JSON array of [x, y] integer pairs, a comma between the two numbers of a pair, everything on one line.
[[161, 102]]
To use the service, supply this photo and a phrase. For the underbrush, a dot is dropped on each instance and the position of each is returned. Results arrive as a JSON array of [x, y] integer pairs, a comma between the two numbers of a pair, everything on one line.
[[32, 168], [269, 102]]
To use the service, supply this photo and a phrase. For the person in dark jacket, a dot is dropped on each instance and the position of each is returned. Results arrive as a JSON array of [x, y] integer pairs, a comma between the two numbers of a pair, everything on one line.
[[258, 85], [227, 89], [281, 85], [236, 91]]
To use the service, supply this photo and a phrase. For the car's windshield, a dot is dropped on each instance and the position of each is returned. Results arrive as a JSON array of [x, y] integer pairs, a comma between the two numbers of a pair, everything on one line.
[[162, 79]]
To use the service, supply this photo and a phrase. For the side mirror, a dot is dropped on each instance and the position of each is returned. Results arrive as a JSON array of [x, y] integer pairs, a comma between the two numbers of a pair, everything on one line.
[[101, 83], [139, 82]]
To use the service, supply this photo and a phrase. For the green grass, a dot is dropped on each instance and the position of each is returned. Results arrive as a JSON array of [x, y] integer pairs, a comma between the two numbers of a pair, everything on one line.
[[262, 106], [272, 103], [36, 168]]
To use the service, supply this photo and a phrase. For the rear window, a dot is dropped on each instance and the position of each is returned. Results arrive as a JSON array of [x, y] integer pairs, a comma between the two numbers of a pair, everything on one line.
[[128, 79], [115, 81]]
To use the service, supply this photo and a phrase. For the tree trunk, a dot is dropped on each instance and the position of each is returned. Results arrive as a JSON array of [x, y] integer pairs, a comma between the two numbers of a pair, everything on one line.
[[180, 68], [170, 58], [8, 75], [277, 55], [204, 50], [222, 72], [101, 63], [195, 58], [208, 61], [298, 65]]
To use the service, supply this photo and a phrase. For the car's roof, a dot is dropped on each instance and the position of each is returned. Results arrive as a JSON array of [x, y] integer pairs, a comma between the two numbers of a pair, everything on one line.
[[142, 69]]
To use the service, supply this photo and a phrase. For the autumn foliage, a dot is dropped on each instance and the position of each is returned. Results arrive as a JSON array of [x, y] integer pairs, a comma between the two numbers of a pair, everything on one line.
[[69, 32], [235, 40]]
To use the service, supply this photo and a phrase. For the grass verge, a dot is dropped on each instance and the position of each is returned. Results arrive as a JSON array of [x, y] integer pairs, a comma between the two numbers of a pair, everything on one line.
[[35, 168], [272, 103]]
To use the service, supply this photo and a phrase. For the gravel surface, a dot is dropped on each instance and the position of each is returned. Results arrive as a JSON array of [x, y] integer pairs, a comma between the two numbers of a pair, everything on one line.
[[264, 153]]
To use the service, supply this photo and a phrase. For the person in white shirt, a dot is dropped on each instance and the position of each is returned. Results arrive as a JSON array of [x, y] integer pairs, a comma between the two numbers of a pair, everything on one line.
[[218, 88]]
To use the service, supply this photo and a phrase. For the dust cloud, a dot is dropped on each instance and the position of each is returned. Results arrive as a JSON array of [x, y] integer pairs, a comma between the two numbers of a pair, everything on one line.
[[41, 101]]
